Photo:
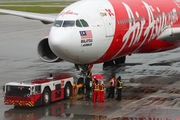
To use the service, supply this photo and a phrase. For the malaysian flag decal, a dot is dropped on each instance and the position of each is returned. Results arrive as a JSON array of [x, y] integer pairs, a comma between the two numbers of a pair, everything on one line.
[[85, 34]]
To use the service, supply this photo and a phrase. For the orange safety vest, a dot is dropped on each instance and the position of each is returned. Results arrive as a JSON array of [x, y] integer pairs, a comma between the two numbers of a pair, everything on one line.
[[113, 81]]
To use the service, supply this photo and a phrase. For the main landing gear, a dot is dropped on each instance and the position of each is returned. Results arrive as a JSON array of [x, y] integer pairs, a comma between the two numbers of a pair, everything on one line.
[[116, 62]]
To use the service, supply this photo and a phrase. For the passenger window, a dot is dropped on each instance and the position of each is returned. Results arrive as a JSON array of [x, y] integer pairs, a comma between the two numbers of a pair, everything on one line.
[[58, 23], [68, 23], [78, 24], [84, 23]]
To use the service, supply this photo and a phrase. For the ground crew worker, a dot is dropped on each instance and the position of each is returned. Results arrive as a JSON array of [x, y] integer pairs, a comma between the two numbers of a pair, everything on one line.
[[112, 87], [75, 89], [101, 93], [89, 74], [87, 83], [119, 88], [96, 90]]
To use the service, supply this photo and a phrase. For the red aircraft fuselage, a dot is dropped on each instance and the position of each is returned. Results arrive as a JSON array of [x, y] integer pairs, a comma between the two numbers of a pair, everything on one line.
[[139, 23]]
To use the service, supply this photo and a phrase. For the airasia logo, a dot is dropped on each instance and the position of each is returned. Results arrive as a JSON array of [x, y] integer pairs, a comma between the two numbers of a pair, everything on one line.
[[155, 25], [69, 12]]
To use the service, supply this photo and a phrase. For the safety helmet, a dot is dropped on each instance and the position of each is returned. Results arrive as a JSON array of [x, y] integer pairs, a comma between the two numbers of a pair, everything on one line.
[[102, 82]]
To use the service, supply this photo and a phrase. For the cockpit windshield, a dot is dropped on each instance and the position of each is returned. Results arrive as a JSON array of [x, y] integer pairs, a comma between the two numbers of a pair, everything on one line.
[[58, 23], [68, 23], [71, 23]]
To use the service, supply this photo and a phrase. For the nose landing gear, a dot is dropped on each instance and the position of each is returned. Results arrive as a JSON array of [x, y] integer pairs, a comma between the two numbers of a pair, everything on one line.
[[85, 80]]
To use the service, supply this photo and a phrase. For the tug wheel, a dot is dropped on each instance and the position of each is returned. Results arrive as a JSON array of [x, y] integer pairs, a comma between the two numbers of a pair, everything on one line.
[[46, 97], [67, 91]]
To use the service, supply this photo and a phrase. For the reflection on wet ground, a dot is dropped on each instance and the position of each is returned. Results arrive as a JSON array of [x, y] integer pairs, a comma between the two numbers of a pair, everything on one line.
[[55, 109], [62, 110], [151, 88]]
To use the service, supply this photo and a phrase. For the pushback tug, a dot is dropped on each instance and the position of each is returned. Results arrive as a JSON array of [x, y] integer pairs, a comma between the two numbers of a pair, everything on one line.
[[41, 91]]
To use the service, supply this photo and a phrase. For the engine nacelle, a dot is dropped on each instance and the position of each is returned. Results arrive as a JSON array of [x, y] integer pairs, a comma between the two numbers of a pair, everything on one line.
[[45, 53]]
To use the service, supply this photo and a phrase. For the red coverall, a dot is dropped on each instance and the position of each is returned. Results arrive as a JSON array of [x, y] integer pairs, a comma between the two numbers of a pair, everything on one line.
[[96, 92], [101, 95]]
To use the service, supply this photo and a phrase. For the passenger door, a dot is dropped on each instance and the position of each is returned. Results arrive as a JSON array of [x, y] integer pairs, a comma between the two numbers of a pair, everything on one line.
[[107, 23]]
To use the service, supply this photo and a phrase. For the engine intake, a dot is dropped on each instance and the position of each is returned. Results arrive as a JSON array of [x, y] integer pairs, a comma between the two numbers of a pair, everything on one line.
[[45, 53]]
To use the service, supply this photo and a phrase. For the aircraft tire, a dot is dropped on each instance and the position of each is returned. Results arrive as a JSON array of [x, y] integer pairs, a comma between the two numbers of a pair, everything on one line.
[[80, 80], [88, 83], [108, 64], [120, 60]]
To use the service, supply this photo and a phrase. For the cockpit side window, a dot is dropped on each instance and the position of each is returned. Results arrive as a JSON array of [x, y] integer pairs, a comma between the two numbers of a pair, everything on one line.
[[58, 23], [84, 23], [78, 24], [68, 23]]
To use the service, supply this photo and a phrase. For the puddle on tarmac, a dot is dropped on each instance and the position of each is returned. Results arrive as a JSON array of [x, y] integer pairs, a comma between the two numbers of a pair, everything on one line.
[[56, 110]]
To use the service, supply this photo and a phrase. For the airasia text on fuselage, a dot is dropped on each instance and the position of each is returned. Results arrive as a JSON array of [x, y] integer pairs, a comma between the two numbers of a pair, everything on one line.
[[153, 25]]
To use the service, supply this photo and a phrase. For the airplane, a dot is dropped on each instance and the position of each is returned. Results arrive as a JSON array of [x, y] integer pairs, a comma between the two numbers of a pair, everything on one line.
[[89, 32]]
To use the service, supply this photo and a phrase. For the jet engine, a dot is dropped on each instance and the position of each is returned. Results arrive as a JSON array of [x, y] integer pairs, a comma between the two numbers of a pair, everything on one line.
[[45, 53]]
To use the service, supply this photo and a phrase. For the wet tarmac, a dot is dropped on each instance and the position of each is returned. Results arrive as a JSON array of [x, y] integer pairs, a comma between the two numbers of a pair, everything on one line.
[[152, 81]]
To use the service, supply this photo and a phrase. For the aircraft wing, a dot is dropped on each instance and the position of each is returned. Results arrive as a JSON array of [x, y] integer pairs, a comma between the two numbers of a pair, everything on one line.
[[170, 34], [44, 18]]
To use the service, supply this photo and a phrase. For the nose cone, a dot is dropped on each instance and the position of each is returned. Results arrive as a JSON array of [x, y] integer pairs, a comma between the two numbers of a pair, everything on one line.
[[67, 44], [59, 42]]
